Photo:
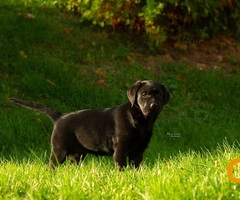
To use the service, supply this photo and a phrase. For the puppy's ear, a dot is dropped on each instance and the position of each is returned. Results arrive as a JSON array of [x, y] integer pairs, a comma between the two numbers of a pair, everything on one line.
[[166, 97], [132, 92]]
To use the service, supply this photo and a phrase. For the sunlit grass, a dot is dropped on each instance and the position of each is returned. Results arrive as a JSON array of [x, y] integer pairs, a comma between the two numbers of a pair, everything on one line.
[[188, 175]]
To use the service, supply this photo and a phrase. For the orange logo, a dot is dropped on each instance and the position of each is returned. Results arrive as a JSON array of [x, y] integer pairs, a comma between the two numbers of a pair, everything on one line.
[[234, 170]]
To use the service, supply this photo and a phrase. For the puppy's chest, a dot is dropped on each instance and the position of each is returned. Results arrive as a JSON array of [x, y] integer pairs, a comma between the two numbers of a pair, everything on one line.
[[143, 128], [138, 142], [141, 135]]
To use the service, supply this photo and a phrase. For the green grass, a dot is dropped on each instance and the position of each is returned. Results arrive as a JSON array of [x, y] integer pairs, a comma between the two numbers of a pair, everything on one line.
[[56, 61], [187, 176]]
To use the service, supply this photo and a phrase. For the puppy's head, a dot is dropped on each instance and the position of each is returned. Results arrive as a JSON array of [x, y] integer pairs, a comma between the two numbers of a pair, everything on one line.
[[149, 96]]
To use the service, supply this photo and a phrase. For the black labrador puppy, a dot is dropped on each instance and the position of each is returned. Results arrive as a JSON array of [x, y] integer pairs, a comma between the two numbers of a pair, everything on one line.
[[123, 131]]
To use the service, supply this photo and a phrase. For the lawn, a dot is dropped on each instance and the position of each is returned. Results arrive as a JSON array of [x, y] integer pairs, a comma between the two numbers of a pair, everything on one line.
[[49, 57]]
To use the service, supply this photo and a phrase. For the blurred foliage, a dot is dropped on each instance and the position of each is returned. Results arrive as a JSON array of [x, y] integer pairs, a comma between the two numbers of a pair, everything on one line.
[[201, 19], [161, 20]]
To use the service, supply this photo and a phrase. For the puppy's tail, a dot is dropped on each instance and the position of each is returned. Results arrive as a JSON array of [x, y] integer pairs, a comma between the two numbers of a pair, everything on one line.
[[52, 114]]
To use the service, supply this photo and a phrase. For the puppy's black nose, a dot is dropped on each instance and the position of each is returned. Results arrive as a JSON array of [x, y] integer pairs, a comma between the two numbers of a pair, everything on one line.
[[153, 105]]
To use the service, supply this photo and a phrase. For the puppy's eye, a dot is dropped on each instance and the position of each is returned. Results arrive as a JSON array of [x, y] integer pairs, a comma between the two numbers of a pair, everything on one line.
[[144, 94]]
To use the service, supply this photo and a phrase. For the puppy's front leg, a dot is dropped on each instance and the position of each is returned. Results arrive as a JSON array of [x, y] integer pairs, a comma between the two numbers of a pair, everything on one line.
[[120, 158], [136, 160]]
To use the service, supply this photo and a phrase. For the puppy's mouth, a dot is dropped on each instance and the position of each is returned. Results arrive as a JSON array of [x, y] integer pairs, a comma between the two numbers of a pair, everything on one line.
[[151, 112]]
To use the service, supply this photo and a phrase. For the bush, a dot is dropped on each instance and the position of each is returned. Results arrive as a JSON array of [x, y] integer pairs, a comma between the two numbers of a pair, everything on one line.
[[201, 19], [182, 20]]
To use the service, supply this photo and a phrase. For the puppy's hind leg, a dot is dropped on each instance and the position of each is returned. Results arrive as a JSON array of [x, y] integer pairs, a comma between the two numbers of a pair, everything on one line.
[[57, 157], [77, 157]]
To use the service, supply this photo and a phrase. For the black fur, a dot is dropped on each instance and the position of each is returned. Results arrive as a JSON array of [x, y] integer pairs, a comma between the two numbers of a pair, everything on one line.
[[123, 131]]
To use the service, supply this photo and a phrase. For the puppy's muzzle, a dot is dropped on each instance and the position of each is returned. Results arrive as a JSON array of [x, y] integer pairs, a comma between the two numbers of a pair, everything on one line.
[[154, 106], [154, 109]]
